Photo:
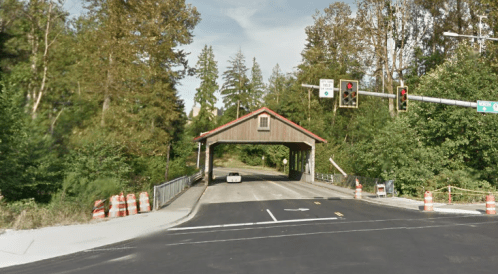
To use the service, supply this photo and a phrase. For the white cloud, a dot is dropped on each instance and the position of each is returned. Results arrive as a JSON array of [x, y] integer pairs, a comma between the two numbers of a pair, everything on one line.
[[262, 36], [242, 15]]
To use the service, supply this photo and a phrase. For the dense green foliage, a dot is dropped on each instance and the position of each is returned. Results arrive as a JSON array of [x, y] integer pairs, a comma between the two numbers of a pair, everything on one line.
[[89, 107]]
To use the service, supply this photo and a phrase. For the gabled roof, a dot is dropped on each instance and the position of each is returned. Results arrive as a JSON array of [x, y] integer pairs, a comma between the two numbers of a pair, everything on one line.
[[256, 113]]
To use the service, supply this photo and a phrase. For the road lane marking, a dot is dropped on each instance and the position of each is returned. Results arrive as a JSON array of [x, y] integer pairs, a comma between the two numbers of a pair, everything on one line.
[[296, 209], [332, 232], [124, 258], [248, 224], [339, 214], [317, 203], [316, 223], [108, 249], [271, 215]]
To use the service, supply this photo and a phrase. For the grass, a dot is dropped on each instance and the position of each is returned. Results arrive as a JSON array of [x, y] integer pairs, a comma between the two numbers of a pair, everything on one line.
[[27, 214]]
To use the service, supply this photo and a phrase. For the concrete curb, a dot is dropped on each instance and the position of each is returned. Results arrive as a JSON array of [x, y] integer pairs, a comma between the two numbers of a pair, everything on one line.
[[190, 215]]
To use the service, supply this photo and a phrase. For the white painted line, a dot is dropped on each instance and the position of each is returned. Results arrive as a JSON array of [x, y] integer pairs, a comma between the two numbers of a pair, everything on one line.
[[108, 249], [271, 215], [332, 232], [317, 223], [297, 209], [124, 258], [249, 224], [307, 220], [454, 210]]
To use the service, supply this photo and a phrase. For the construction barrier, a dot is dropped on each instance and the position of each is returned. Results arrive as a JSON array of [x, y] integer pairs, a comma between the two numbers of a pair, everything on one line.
[[428, 201], [98, 210], [380, 190], [357, 194], [114, 206], [131, 203], [122, 205], [144, 202], [490, 204]]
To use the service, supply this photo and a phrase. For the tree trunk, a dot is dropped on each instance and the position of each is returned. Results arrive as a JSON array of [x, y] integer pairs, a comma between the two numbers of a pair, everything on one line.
[[335, 111], [34, 63], [107, 95], [238, 106], [45, 64]]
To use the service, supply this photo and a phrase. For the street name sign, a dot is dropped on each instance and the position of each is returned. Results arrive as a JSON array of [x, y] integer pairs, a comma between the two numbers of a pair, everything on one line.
[[326, 88], [487, 106]]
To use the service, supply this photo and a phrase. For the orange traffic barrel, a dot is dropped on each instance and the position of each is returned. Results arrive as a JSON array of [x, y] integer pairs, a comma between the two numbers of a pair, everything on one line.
[[490, 204], [131, 203], [98, 210], [114, 206], [122, 205], [144, 202], [428, 201], [357, 194]]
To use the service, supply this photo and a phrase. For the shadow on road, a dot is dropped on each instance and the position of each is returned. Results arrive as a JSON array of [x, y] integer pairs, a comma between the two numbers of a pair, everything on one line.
[[253, 178]]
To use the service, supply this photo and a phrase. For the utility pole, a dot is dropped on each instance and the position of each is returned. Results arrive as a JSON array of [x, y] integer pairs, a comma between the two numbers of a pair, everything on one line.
[[480, 37], [309, 106]]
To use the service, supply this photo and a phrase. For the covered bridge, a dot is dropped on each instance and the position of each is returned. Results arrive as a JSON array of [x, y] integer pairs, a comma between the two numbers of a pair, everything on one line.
[[264, 126]]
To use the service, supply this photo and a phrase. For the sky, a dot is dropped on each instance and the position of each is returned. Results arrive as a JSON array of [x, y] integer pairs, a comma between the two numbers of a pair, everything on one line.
[[272, 31]]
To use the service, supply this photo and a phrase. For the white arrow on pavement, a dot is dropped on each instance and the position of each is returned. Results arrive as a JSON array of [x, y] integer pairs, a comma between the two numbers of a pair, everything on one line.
[[297, 209]]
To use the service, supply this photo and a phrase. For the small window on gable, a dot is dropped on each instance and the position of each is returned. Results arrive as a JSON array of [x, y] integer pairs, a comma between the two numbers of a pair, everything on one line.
[[264, 122]]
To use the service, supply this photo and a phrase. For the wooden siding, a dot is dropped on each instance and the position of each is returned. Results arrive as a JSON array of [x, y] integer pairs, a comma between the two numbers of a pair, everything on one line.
[[247, 131]]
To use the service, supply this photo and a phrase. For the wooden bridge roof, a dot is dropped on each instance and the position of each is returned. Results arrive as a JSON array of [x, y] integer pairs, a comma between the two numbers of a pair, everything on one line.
[[281, 130]]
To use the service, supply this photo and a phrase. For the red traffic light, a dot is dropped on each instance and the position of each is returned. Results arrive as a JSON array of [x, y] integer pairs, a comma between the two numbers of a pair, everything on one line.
[[402, 98], [350, 85]]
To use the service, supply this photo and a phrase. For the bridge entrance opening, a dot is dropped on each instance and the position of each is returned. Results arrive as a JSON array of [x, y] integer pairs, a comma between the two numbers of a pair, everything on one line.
[[266, 127]]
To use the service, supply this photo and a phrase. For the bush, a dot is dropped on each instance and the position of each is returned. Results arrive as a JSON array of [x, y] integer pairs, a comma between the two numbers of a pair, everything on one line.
[[83, 192], [27, 214]]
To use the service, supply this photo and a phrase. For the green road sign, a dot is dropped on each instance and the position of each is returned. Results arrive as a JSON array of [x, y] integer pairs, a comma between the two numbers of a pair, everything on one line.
[[487, 106]]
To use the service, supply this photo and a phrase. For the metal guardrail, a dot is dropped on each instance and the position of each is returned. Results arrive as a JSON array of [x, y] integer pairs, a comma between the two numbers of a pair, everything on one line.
[[350, 181], [164, 192], [331, 178]]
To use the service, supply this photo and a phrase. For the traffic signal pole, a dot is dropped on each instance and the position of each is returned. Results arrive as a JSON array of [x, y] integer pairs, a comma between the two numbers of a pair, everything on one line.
[[410, 97]]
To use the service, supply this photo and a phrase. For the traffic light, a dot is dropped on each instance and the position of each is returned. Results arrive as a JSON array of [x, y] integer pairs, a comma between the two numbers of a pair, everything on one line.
[[349, 94], [402, 98]]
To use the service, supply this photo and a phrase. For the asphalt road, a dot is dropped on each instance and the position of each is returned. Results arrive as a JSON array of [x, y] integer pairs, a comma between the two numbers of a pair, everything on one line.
[[253, 228]]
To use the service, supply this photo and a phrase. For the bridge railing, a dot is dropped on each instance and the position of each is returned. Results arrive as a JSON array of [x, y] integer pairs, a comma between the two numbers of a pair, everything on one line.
[[165, 192], [350, 181]]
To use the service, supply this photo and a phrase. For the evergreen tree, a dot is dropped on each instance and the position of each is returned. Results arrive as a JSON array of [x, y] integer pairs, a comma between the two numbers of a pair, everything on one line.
[[275, 88], [256, 86], [236, 85], [207, 71]]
